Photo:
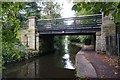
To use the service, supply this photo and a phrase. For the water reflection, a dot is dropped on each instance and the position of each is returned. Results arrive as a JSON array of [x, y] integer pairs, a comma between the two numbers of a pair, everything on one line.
[[68, 63], [66, 43], [53, 65], [66, 57]]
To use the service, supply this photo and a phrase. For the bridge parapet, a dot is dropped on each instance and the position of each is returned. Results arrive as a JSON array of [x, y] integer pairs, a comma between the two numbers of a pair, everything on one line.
[[80, 22]]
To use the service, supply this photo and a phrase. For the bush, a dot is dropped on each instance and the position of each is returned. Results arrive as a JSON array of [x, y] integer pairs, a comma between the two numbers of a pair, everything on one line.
[[13, 52]]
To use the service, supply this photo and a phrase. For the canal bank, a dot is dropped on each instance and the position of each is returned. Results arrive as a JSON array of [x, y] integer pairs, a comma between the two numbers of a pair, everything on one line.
[[90, 64], [84, 69]]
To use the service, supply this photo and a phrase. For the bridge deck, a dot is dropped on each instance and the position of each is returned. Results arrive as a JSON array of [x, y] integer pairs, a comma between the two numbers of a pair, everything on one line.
[[80, 24]]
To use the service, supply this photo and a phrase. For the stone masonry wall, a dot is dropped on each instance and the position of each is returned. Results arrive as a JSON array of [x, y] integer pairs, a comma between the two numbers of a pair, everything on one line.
[[37, 41], [31, 35], [23, 37], [98, 41], [108, 34]]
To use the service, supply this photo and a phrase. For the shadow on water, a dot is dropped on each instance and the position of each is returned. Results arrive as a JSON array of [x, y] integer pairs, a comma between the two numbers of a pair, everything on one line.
[[59, 64]]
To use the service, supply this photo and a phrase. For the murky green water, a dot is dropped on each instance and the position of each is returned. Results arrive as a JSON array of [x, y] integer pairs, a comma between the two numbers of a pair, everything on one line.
[[59, 64]]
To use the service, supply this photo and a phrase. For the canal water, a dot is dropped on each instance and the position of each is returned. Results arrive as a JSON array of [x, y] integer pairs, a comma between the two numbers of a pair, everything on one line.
[[57, 64]]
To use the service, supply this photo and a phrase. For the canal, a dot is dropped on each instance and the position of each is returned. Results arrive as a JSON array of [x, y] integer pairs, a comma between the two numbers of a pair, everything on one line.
[[57, 64]]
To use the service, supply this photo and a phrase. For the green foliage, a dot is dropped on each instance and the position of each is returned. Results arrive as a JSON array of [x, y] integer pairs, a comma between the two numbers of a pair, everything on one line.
[[0, 38], [83, 8], [32, 9], [58, 40], [10, 23], [41, 10], [80, 38], [12, 50], [74, 38], [83, 38], [50, 10]]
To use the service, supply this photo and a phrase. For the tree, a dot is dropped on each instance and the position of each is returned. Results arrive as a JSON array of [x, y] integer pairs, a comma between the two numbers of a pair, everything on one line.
[[12, 49], [98, 7], [32, 9], [41, 10], [10, 23], [51, 10]]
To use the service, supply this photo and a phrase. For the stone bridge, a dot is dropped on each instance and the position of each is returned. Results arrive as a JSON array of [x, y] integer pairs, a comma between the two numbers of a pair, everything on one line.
[[102, 27]]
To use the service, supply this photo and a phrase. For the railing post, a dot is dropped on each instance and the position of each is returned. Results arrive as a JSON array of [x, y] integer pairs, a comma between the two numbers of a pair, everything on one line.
[[31, 36]]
